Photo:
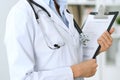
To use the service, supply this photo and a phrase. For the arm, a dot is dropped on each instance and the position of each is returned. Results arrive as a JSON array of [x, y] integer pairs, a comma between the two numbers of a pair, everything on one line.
[[88, 68], [19, 40]]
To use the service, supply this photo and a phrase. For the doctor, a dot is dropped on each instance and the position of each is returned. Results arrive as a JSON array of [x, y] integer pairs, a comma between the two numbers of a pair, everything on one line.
[[47, 48]]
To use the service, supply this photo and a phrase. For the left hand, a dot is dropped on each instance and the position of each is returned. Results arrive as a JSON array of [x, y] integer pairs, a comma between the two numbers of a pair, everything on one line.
[[105, 41]]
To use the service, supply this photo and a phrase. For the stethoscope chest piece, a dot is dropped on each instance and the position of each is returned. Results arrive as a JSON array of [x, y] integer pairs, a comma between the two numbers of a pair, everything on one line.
[[84, 39]]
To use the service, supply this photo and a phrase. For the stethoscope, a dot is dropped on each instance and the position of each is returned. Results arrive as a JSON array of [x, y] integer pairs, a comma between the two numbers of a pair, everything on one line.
[[83, 38]]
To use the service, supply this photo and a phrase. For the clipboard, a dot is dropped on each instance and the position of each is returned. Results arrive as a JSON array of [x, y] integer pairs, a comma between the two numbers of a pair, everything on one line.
[[95, 25]]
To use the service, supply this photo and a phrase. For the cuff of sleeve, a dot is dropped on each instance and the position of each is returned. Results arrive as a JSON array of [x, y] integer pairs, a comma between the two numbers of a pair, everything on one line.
[[57, 74], [68, 73], [62, 74]]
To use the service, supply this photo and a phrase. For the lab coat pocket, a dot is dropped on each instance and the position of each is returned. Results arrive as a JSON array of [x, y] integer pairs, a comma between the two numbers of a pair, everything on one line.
[[54, 41]]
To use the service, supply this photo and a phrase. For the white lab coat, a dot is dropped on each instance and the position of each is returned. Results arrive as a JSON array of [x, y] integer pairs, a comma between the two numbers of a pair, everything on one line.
[[30, 45]]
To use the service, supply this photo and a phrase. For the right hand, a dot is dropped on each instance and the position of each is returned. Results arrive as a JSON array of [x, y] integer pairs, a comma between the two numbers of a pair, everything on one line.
[[85, 69]]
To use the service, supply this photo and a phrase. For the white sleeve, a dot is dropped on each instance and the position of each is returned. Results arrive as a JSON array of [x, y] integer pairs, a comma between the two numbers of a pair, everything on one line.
[[19, 40]]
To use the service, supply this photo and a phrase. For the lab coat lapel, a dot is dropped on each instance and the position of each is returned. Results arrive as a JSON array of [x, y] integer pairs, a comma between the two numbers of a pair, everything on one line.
[[72, 29], [69, 17], [59, 22]]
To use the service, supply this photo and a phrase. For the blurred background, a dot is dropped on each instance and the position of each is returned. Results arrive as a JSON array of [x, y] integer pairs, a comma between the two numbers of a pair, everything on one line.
[[109, 64]]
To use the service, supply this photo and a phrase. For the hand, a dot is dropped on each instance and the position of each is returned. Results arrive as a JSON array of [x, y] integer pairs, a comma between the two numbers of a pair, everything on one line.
[[105, 41], [85, 69]]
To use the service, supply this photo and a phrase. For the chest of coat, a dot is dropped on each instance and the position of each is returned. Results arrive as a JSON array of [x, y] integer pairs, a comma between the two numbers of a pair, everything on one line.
[[50, 33]]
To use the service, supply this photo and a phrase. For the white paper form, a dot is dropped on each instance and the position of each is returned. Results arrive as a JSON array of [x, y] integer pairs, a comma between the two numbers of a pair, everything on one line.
[[94, 28]]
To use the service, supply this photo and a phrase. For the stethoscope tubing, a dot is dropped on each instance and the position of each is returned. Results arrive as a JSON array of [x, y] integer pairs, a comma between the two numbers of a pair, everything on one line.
[[83, 37]]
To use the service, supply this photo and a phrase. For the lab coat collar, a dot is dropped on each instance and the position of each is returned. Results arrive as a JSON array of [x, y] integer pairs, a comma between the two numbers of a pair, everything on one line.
[[54, 16], [61, 3]]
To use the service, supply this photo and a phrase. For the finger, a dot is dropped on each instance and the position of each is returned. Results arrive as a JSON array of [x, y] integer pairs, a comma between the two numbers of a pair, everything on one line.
[[112, 30], [95, 65], [106, 46], [105, 36], [93, 72], [108, 36], [101, 44], [106, 39], [94, 60]]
